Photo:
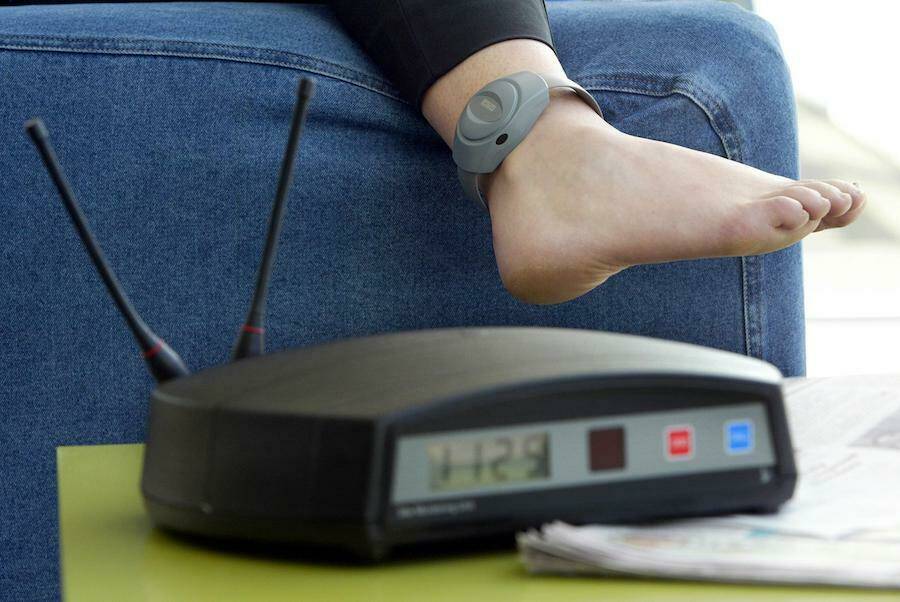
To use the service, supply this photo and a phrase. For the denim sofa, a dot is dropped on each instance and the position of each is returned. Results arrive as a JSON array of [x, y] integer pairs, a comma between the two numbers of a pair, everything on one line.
[[170, 121]]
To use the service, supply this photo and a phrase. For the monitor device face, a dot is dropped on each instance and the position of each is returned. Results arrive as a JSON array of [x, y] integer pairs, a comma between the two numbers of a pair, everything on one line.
[[567, 453]]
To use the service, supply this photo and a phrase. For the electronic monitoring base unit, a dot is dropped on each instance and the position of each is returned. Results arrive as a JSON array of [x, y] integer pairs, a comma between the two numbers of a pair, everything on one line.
[[375, 442], [371, 443]]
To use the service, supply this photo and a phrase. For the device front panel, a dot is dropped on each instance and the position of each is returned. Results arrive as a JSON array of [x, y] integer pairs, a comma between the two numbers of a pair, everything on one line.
[[468, 464], [591, 450]]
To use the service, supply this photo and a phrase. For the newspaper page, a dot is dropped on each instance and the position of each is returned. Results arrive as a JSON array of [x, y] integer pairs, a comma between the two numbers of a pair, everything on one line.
[[841, 528]]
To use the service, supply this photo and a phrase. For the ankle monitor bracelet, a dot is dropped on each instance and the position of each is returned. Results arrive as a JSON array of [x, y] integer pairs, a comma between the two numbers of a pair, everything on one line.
[[497, 118]]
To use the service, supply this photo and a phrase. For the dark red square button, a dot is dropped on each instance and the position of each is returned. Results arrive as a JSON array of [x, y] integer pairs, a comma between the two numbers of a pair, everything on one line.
[[606, 449]]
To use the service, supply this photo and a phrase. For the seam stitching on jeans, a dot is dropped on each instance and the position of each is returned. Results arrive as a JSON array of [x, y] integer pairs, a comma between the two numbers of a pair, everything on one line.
[[754, 306], [99, 41], [714, 109], [746, 304], [302, 61]]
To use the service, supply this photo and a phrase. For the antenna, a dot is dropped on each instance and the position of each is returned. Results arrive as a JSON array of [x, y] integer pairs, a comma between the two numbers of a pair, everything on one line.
[[162, 361], [251, 337]]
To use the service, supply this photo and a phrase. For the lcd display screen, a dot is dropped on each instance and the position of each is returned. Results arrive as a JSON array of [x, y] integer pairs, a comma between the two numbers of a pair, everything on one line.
[[471, 463]]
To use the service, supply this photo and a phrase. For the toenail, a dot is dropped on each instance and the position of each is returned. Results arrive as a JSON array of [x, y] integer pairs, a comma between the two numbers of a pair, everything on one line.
[[857, 186], [847, 196]]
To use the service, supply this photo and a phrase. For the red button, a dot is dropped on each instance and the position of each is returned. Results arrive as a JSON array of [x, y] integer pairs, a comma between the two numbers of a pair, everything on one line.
[[679, 442]]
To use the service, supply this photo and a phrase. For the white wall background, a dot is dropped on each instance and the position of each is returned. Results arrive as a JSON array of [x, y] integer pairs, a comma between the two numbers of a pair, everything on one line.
[[845, 57]]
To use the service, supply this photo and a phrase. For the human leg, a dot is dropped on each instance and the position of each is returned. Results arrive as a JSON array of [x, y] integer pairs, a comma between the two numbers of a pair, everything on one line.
[[579, 201]]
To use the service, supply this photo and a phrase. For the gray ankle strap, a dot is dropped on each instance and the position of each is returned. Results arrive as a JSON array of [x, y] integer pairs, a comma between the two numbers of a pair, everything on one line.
[[497, 118]]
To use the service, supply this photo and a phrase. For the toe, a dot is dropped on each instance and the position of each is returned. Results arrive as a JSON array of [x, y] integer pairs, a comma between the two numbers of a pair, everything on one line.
[[857, 196], [847, 218], [814, 202], [841, 200], [786, 213], [853, 189]]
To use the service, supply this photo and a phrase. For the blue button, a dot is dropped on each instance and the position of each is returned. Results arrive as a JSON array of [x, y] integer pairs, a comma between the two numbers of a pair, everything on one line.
[[739, 437]]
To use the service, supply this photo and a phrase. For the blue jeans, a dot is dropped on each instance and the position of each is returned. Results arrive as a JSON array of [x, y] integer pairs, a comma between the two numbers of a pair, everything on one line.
[[170, 120]]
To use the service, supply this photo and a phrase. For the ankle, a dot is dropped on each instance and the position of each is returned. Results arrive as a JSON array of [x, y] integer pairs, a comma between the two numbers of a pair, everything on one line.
[[565, 120]]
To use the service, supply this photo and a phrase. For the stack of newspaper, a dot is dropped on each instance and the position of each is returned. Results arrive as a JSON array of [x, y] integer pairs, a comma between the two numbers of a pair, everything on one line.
[[841, 528]]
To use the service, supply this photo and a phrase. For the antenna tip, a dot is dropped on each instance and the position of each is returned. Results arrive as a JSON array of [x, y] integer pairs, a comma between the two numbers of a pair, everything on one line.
[[36, 128], [306, 88]]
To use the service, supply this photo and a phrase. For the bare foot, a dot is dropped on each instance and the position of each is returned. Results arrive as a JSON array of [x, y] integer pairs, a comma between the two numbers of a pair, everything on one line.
[[578, 201]]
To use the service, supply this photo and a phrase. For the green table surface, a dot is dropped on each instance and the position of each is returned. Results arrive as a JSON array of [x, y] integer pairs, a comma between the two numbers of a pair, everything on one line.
[[110, 551]]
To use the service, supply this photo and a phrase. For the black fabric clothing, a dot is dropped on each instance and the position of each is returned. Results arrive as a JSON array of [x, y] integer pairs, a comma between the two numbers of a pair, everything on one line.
[[415, 42]]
